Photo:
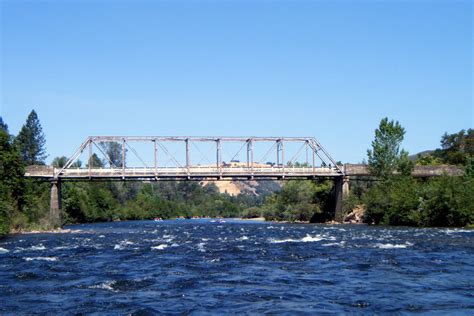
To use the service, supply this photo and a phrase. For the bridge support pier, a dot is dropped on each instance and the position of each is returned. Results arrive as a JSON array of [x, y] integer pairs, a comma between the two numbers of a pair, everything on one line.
[[341, 190], [55, 204]]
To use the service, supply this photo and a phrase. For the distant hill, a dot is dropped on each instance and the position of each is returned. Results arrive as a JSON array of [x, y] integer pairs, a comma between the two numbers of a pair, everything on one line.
[[420, 154], [257, 188]]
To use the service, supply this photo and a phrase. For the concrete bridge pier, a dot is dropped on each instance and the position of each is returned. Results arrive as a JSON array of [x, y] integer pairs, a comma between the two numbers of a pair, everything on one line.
[[341, 190], [55, 203]]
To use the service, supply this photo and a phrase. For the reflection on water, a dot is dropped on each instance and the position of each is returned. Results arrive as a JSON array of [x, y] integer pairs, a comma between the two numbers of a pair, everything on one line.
[[240, 267]]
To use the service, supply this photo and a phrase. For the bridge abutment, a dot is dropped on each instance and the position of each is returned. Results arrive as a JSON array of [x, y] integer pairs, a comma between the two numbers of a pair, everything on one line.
[[341, 190], [55, 203]]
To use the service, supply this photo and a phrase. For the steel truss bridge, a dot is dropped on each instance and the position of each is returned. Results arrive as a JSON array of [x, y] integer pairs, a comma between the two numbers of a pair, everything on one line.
[[292, 158], [153, 158]]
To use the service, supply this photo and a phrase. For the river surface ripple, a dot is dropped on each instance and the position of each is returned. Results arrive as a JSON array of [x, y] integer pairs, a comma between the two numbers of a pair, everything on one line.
[[199, 266]]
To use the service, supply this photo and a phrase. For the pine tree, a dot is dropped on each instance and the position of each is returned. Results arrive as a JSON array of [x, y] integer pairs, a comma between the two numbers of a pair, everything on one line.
[[31, 141], [3, 125]]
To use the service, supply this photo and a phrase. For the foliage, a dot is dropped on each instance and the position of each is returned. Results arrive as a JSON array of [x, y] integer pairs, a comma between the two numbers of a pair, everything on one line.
[[429, 160], [11, 180], [59, 162], [392, 202], [95, 162], [385, 155], [113, 150], [444, 201], [3, 125], [299, 201], [31, 141], [457, 147]]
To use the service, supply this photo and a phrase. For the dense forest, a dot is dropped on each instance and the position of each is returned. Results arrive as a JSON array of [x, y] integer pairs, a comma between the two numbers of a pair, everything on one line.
[[393, 198]]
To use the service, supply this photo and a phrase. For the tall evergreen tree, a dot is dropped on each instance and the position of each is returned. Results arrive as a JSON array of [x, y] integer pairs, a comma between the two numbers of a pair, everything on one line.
[[11, 181], [3, 125], [31, 141]]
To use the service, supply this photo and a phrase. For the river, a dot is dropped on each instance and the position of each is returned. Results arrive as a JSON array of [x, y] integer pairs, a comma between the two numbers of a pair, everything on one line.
[[199, 266]]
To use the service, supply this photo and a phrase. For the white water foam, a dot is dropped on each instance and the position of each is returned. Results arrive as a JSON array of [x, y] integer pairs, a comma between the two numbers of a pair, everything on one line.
[[3, 250], [66, 247], [159, 247], [121, 245], [39, 247], [41, 258], [242, 238], [33, 248], [339, 244], [458, 230], [200, 247], [105, 286], [307, 238], [393, 246]]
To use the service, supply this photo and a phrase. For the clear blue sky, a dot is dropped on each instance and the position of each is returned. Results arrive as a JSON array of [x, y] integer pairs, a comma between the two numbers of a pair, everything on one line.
[[329, 69]]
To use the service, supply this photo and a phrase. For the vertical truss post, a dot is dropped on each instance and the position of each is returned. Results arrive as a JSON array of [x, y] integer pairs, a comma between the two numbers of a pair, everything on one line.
[[188, 162], [282, 157], [155, 145], [123, 158], [250, 154], [90, 158], [314, 159], [278, 153], [306, 147], [218, 156]]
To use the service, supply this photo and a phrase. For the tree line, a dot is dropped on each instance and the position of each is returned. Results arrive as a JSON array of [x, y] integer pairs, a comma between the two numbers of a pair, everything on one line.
[[394, 197]]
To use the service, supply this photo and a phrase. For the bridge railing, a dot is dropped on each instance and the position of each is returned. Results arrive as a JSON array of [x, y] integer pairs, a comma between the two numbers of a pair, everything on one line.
[[195, 171]]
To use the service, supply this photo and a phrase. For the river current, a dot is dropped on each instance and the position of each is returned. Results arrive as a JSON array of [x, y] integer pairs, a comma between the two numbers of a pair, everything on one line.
[[207, 266]]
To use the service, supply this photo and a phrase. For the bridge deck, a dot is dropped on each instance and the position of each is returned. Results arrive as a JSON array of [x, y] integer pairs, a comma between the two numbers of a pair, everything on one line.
[[201, 172], [185, 173]]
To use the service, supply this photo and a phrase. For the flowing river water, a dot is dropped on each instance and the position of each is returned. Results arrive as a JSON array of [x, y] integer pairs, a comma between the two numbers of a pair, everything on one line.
[[204, 266]]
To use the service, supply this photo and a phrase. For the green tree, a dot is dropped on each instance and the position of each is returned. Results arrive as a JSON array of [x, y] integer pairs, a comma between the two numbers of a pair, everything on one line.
[[3, 125], [385, 155], [457, 147], [31, 141], [95, 162], [59, 162], [114, 152], [11, 181]]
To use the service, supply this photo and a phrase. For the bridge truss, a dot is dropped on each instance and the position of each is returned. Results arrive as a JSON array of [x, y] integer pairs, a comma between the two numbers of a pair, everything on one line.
[[198, 158]]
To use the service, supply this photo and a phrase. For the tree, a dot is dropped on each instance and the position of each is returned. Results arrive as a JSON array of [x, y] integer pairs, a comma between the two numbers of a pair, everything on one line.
[[31, 141], [114, 153], [11, 181], [59, 162], [385, 155], [95, 162], [457, 147], [3, 125]]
